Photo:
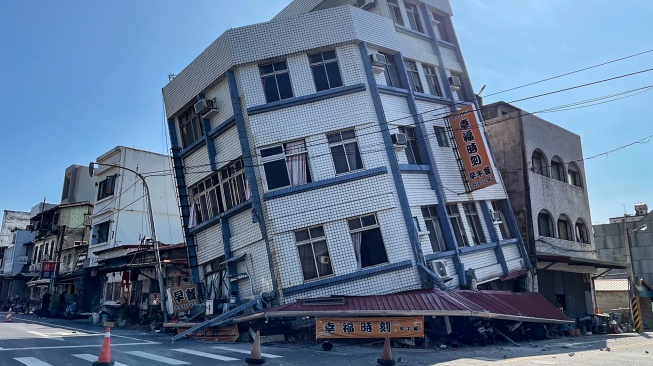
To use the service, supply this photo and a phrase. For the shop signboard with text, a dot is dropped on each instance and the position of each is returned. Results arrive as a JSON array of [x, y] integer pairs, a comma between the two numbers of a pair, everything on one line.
[[369, 327]]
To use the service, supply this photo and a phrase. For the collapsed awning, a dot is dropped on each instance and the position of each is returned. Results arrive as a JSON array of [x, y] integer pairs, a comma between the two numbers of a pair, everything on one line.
[[582, 261], [524, 306], [40, 283]]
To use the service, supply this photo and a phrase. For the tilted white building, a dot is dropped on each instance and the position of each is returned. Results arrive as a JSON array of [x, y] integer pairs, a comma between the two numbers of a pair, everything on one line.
[[312, 157]]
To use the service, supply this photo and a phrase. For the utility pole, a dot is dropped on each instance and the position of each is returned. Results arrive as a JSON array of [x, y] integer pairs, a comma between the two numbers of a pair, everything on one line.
[[162, 290], [53, 282], [635, 310]]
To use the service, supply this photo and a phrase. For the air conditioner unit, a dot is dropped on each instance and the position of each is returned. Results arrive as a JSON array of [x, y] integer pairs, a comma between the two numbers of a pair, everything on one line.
[[496, 216], [454, 81], [399, 139], [438, 267], [378, 59], [324, 259], [206, 108], [364, 4]]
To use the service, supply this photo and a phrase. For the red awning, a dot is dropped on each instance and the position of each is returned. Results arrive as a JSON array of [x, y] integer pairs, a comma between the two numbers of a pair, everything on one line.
[[524, 306]]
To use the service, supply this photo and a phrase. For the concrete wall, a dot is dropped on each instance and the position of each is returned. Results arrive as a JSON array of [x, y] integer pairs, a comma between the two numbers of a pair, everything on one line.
[[607, 300], [12, 220], [80, 185]]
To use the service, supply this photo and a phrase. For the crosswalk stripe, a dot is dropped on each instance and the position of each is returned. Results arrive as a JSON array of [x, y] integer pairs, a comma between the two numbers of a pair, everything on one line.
[[169, 361], [245, 351], [204, 354], [31, 361], [93, 358]]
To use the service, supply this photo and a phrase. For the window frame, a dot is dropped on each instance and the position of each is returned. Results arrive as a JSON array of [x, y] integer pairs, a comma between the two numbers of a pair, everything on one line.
[[441, 136], [283, 155], [568, 231], [456, 221], [189, 121], [543, 168], [367, 227], [344, 142], [312, 241], [549, 224], [97, 229], [392, 80], [107, 187], [323, 64], [462, 90], [558, 170], [211, 187], [274, 74], [432, 80], [573, 175], [430, 216], [412, 147], [413, 76], [441, 25], [502, 224], [473, 218], [578, 226], [414, 17], [235, 173], [395, 12]]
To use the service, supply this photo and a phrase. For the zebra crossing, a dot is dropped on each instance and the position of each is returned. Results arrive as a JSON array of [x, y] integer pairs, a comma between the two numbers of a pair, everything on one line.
[[174, 356]]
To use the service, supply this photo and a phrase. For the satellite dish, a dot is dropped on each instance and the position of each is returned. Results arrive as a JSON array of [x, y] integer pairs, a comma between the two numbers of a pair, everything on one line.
[[91, 168]]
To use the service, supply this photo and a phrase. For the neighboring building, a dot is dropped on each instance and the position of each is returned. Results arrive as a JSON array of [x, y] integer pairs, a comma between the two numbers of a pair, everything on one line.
[[120, 220], [312, 157], [78, 185], [12, 276], [612, 244], [542, 167], [11, 221], [612, 295]]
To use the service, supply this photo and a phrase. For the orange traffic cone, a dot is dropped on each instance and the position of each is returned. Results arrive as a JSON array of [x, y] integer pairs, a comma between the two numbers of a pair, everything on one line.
[[386, 356], [10, 316], [255, 356], [105, 352]]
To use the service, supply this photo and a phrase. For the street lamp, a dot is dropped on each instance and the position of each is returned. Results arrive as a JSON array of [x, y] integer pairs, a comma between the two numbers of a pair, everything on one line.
[[157, 255]]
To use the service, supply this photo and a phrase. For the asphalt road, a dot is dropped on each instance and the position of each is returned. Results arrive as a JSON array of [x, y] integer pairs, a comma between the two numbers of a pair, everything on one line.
[[54, 342]]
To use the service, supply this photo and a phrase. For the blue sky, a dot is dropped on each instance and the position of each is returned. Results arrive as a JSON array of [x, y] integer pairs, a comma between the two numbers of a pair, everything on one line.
[[80, 77]]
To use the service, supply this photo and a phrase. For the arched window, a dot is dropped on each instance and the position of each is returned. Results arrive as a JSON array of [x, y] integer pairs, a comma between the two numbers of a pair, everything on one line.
[[582, 235], [573, 173], [540, 164], [545, 224], [564, 228], [558, 169]]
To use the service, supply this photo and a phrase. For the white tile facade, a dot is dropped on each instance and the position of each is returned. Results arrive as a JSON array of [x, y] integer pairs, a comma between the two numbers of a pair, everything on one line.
[[303, 32]]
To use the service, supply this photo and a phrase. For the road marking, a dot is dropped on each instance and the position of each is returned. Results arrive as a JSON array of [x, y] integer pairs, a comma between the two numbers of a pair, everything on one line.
[[204, 354], [169, 361], [79, 346], [246, 351], [93, 358], [43, 335], [82, 330], [31, 361]]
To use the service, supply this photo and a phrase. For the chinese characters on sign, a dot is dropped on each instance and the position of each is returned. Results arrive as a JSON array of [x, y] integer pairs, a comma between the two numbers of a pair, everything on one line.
[[471, 147], [369, 327], [47, 269], [184, 297]]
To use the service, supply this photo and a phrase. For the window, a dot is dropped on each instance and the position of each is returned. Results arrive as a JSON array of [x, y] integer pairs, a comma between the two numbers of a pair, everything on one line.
[[432, 80], [573, 175], [558, 169], [313, 253], [434, 228], [581, 232], [540, 164], [441, 136], [396, 12], [412, 150], [207, 200], [191, 127], [113, 291], [66, 188], [564, 228], [413, 17], [101, 232], [474, 222], [460, 91], [235, 189], [106, 187], [500, 222], [285, 165], [545, 224], [344, 151], [390, 71], [368, 241], [217, 283], [326, 73], [457, 225], [276, 81], [441, 27], [413, 76]]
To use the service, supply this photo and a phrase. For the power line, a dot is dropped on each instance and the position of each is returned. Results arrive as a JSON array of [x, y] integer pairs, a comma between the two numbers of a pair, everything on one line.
[[569, 73]]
